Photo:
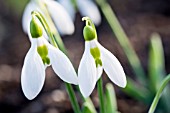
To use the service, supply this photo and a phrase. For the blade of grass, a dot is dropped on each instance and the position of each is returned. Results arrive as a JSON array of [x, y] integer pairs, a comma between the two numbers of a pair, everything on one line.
[[157, 69], [88, 106], [158, 94], [111, 103], [137, 91], [156, 62]]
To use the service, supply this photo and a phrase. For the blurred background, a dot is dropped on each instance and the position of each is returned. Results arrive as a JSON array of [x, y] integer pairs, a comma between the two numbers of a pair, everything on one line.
[[139, 18]]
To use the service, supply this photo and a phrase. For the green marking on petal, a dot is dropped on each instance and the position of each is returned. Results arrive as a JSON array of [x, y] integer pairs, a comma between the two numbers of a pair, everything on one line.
[[43, 52], [46, 60], [95, 52], [98, 62]]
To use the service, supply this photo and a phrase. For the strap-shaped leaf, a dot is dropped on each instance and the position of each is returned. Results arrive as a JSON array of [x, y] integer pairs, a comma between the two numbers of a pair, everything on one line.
[[88, 106], [111, 104]]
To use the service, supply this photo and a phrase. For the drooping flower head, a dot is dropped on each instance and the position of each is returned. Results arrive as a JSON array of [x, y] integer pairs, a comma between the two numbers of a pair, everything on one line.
[[58, 13], [96, 58], [40, 55], [85, 7]]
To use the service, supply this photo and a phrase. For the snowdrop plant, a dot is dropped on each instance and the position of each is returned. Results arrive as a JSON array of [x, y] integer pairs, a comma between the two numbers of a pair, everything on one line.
[[85, 7], [94, 60], [49, 9], [40, 55]]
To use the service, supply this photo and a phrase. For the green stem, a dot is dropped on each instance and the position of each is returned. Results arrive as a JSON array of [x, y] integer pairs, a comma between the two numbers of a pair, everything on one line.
[[123, 40], [101, 95], [73, 99], [158, 94]]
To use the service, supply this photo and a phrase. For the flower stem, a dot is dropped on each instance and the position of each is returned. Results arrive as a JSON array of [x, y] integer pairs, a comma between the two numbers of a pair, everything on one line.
[[123, 40], [101, 95], [158, 94], [73, 99]]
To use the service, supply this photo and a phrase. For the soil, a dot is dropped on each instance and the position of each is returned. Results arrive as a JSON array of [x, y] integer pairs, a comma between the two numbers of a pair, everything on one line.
[[139, 18]]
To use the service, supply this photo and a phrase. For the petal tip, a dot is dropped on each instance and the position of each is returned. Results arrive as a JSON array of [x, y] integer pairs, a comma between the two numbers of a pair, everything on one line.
[[84, 94], [123, 83], [28, 95]]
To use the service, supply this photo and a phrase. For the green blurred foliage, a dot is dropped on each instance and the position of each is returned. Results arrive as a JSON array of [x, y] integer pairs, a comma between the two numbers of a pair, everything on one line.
[[16, 5]]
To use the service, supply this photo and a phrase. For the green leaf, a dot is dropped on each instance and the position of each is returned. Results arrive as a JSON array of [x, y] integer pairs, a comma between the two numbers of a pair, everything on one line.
[[88, 106], [137, 91], [157, 69], [17, 6], [156, 62], [111, 104]]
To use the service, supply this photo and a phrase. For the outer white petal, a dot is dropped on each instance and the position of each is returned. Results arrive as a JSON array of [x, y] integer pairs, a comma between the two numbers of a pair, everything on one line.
[[87, 72], [99, 72], [112, 67], [62, 65], [88, 8], [33, 73], [69, 7], [61, 18], [26, 18]]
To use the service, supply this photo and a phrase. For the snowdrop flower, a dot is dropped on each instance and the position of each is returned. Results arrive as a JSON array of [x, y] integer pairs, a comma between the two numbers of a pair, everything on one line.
[[94, 60], [59, 15], [85, 7], [40, 55]]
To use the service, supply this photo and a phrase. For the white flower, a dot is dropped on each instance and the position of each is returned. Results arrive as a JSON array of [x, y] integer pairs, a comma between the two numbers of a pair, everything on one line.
[[89, 72], [40, 55], [85, 7], [59, 15], [95, 59]]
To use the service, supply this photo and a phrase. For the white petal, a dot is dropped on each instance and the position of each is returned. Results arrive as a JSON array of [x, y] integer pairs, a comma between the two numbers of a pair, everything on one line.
[[61, 18], [33, 73], [62, 65], [69, 7], [99, 72], [88, 8], [87, 72], [26, 18], [112, 67]]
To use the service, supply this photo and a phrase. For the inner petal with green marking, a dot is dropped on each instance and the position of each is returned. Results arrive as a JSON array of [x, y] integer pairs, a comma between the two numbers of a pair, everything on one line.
[[95, 52], [43, 52]]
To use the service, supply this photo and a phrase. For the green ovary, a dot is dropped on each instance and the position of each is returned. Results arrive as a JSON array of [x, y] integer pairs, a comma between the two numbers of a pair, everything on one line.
[[35, 29], [43, 52], [89, 33], [95, 52]]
